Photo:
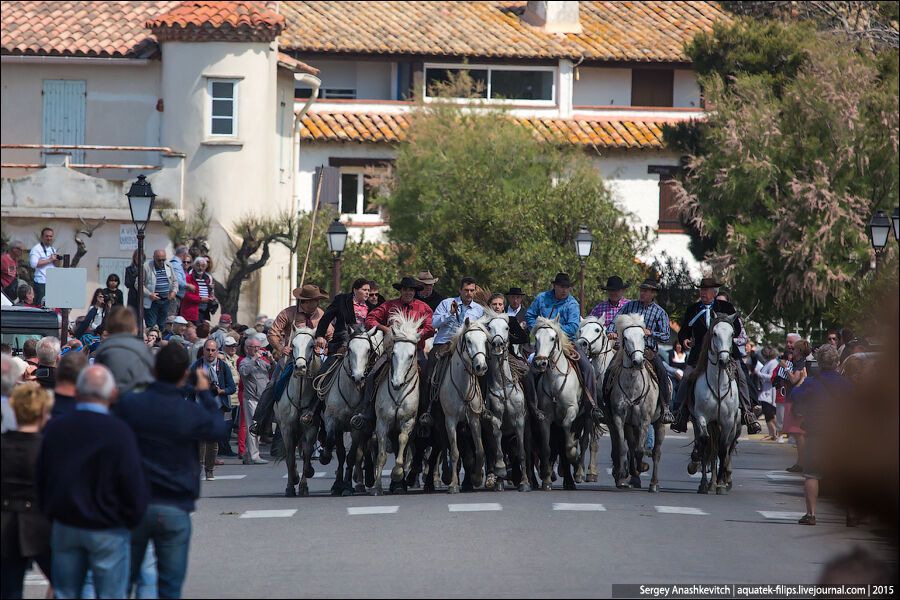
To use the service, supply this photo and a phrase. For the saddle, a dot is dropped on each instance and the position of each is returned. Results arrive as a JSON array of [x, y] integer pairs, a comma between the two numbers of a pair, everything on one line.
[[615, 367]]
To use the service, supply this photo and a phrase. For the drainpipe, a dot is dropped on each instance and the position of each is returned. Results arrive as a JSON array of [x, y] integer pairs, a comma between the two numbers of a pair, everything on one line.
[[314, 82]]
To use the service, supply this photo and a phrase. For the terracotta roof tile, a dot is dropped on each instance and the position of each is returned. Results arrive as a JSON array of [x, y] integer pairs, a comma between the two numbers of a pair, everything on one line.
[[218, 21], [292, 64], [650, 31], [390, 128]]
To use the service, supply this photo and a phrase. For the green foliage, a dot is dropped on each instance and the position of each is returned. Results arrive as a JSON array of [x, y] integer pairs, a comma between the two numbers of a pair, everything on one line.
[[475, 194], [192, 231], [676, 284]]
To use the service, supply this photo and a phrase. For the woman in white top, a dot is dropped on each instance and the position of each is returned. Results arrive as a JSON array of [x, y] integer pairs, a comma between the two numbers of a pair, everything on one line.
[[764, 370]]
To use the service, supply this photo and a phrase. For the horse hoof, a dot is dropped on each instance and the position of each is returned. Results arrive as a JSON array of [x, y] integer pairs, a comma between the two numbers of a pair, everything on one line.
[[446, 476], [635, 482], [498, 487], [622, 484], [324, 457], [360, 488], [553, 476], [467, 488], [491, 480], [721, 490], [692, 467], [309, 472], [453, 489], [579, 478], [654, 488], [546, 486], [591, 479], [569, 485], [376, 492], [703, 490], [428, 489], [729, 486], [524, 488], [346, 493], [397, 473], [304, 490], [337, 490], [290, 492]]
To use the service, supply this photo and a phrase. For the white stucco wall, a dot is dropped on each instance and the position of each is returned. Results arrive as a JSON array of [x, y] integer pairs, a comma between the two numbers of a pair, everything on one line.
[[686, 93], [372, 80], [602, 87], [120, 107]]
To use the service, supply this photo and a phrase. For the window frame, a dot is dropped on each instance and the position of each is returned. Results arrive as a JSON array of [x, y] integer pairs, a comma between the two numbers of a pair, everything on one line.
[[554, 70], [209, 108], [360, 216]]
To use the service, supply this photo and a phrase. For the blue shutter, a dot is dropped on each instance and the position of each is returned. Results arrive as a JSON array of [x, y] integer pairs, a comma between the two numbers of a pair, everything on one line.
[[64, 107]]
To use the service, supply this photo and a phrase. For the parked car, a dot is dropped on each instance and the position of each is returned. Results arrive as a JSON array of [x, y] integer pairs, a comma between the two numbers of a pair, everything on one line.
[[20, 323]]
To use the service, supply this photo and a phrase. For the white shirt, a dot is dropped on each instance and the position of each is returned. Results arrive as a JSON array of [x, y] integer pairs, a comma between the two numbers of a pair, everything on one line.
[[446, 323], [513, 311], [39, 252], [764, 374]]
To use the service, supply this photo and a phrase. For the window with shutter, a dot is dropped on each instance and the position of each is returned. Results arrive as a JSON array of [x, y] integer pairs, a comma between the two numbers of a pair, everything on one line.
[[669, 219], [652, 87]]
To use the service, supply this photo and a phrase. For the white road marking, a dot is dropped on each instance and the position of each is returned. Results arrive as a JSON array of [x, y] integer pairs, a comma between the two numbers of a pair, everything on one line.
[[266, 514], [577, 506], [230, 476], [781, 515], [474, 507], [783, 476], [679, 510], [372, 510]]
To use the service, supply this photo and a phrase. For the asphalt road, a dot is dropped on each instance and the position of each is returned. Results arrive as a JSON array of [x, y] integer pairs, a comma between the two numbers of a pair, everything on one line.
[[509, 544]]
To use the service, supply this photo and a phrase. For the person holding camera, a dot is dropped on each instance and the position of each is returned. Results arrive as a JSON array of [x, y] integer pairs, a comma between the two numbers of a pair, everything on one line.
[[43, 256], [221, 386], [95, 321]]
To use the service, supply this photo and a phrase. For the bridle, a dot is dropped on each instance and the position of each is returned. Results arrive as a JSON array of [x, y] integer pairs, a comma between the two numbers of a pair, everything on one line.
[[635, 352], [295, 375], [590, 344], [299, 358], [645, 385], [721, 366], [497, 336], [462, 349], [502, 358], [553, 359]]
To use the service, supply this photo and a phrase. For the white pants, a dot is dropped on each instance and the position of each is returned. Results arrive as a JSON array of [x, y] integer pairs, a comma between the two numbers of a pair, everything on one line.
[[252, 440], [779, 417]]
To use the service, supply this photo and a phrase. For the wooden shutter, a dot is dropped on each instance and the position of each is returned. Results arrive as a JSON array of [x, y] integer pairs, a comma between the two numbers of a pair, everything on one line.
[[652, 87], [63, 120], [331, 185], [669, 219]]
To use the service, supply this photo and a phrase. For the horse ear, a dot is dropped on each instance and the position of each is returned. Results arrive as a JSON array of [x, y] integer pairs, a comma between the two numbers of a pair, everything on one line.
[[467, 322], [556, 319], [372, 331]]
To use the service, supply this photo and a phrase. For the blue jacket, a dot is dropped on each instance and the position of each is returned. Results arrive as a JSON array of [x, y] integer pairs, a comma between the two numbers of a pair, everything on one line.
[[167, 427], [546, 305], [180, 276], [226, 383], [818, 398]]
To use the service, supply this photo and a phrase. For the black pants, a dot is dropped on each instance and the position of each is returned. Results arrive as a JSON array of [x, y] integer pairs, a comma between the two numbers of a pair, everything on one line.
[[665, 386], [13, 570]]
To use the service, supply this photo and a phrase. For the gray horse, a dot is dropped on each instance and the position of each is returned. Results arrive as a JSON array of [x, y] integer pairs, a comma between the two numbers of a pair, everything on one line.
[[296, 410], [461, 399], [397, 401], [715, 411], [593, 341], [342, 395], [505, 398], [633, 394]]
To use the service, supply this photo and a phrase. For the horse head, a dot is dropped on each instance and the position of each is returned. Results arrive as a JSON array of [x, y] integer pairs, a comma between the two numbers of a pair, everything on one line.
[[303, 346], [547, 338], [497, 326], [630, 329], [405, 340], [592, 338], [473, 341], [361, 350], [721, 337]]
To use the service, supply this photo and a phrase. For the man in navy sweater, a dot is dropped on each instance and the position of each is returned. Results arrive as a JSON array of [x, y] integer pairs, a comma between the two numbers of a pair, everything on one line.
[[168, 427], [91, 485]]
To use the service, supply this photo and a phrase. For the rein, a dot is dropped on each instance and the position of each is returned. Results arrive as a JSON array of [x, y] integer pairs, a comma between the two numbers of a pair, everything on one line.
[[472, 391], [412, 368], [590, 344], [553, 358], [645, 385], [502, 360]]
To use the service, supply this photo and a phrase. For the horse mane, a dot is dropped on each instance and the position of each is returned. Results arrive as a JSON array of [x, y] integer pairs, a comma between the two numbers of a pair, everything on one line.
[[404, 327], [489, 314], [567, 346], [594, 319], [456, 340], [629, 320]]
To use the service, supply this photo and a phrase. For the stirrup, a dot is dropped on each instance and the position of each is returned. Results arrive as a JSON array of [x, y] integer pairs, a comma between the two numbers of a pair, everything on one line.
[[597, 415], [357, 422], [254, 428], [425, 419], [678, 427], [667, 416]]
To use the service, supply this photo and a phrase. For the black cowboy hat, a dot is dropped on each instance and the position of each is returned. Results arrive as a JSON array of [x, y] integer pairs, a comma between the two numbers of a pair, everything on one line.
[[650, 284], [409, 282], [515, 291], [562, 279], [709, 282], [614, 283]]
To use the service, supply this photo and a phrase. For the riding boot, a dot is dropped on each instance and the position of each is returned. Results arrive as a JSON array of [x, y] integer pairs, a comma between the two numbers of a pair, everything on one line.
[[590, 395], [530, 389], [365, 419], [665, 388], [683, 401], [695, 461], [425, 392], [747, 416]]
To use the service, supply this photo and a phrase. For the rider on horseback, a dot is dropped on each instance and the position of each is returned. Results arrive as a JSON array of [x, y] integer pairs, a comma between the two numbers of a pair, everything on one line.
[[694, 328], [559, 303]]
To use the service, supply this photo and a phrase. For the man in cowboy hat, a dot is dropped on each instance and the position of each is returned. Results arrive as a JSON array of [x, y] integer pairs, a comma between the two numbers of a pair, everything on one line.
[[379, 317], [656, 330], [615, 300], [555, 303], [304, 313], [427, 293], [694, 327], [517, 331]]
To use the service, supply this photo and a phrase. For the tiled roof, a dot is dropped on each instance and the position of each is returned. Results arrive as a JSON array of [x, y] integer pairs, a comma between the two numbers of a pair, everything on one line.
[[390, 128], [218, 21], [292, 64], [651, 31], [94, 29]]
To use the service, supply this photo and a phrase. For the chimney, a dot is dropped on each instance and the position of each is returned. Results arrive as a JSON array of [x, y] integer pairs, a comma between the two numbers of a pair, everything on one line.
[[553, 17]]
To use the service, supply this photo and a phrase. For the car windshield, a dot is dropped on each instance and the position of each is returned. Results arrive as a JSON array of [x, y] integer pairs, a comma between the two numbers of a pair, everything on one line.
[[17, 340]]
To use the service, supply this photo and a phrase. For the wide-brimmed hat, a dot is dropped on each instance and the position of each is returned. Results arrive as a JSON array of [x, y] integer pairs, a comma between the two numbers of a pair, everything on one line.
[[614, 283], [515, 291], [649, 284], [709, 282], [427, 278], [409, 282], [562, 279], [309, 292]]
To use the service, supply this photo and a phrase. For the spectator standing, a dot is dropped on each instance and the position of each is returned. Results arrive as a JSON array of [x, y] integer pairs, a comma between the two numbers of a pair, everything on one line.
[[230, 357], [48, 356], [152, 338], [11, 373], [764, 370], [126, 355], [9, 268], [25, 296], [43, 257], [793, 424], [29, 355], [196, 304], [180, 262], [91, 485], [25, 531], [223, 330], [221, 386], [167, 429], [202, 334], [160, 287], [131, 281], [70, 366], [113, 290], [255, 369], [179, 324]]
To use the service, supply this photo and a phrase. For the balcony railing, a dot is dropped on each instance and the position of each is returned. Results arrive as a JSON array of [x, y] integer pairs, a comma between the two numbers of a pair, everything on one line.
[[79, 149]]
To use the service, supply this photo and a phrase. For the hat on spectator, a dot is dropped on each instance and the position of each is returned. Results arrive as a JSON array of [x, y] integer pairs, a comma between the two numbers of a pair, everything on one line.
[[179, 320], [225, 318], [230, 341], [170, 319]]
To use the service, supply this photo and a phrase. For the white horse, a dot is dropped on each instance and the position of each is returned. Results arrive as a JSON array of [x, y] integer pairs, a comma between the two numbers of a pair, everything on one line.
[[634, 405], [559, 393], [397, 400], [461, 399], [593, 341], [342, 397], [506, 398], [715, 410], [296, 410]]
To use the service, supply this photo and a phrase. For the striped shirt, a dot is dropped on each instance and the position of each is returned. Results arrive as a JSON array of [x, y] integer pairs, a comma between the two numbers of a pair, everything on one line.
[[608, 310], [655, 319], [202, 288], [162, 280]]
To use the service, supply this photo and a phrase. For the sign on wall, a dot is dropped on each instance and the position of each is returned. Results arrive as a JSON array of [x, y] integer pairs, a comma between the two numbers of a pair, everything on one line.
[[127, 237]]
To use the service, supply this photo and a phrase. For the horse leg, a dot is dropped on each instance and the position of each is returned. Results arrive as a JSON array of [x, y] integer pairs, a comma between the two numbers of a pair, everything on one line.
[[593, 450], [640, 435], [722, 477], [546, 482], [450, 424], [499, 467], [478, 468], [398, 472], [522, 458], [704, 460], [350, 464], [288, 435], [308, 442], [330, 426], [337, 488], [659, 433], [381, 458]]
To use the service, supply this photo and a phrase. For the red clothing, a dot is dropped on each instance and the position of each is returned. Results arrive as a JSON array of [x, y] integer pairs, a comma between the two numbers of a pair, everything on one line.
[[190, 304], [8, 270], [381, 314]]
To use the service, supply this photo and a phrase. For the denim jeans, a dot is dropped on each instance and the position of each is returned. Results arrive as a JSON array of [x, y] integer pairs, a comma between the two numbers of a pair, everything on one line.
[[106, 552], [169, 528], [156, 314], [145, 585]]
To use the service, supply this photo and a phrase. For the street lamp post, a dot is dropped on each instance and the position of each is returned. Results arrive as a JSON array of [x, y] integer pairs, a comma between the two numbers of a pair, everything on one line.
[[337, 240], [895, 220], [584, 242], [140, 201]]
